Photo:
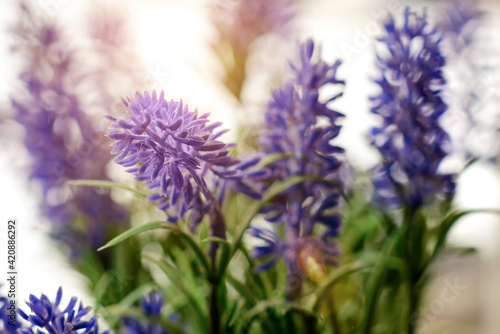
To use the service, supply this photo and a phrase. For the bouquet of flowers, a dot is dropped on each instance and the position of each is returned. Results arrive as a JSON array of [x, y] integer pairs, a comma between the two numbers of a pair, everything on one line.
[[277, 233]]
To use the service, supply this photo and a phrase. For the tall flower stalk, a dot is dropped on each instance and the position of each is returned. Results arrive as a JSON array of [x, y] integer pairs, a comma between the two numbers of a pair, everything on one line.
[[410, 139], [300, 127], [412, 145]]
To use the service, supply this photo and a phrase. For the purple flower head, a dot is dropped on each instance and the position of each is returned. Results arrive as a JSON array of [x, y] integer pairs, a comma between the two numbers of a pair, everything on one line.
[[178, 154], [62, 139], [46, 317], [300, 126], [410, 139]]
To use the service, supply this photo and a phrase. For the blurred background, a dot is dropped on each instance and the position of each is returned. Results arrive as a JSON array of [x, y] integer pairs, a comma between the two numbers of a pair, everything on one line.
[[175, 46]]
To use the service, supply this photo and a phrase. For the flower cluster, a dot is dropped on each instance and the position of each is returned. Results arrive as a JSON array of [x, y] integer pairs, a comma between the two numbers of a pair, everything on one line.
[[62, 140], [47, 316], [178, 154], [410, 139], [151, 305], [300, 127]]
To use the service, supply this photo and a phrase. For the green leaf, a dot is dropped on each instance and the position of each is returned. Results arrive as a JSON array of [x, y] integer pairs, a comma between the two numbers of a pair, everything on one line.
[[169, 226], [136, 230], [221, 241], [269, 159], [374, 283], [106, 184]]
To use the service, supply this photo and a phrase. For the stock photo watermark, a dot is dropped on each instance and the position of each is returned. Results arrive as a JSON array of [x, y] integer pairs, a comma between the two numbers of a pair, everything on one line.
[[438, 305], [371, 30]]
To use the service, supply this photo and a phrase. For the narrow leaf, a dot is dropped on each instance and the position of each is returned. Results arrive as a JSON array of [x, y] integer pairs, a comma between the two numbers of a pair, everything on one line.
[[136, 230], [106, 184]]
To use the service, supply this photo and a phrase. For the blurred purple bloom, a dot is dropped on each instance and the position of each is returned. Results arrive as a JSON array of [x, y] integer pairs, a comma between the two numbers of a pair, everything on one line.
[[470, 69], [46, 315], [300, 126], [239, 24], [410, 139], [243, 21], [459, 22], [177, 153], [62, 140]]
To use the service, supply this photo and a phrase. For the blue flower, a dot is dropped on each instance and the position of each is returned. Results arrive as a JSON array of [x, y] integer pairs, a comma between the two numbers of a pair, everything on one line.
[[46, 315], [300, 127], [410, 139], [178, 154]]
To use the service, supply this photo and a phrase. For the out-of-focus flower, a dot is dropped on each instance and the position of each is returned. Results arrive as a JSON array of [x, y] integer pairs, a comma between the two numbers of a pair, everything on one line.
[[62, 139], [471, 90], [300, 127], [410, 139], [178, 154], [459, 22], [46, 317], [241, 22], [151, 306]]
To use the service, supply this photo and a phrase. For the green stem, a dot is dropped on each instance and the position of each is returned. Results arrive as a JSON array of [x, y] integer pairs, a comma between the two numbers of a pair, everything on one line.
[[218, 225], [213, 302], [333, 312], [413, 254]]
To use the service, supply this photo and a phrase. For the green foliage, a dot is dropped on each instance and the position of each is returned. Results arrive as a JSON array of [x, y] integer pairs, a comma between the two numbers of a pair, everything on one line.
[[375, 288]]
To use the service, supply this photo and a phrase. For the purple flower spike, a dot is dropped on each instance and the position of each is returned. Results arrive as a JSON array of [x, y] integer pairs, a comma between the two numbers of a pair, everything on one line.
[[62, 139], [410, 139], [300, 126], [177, 153]]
